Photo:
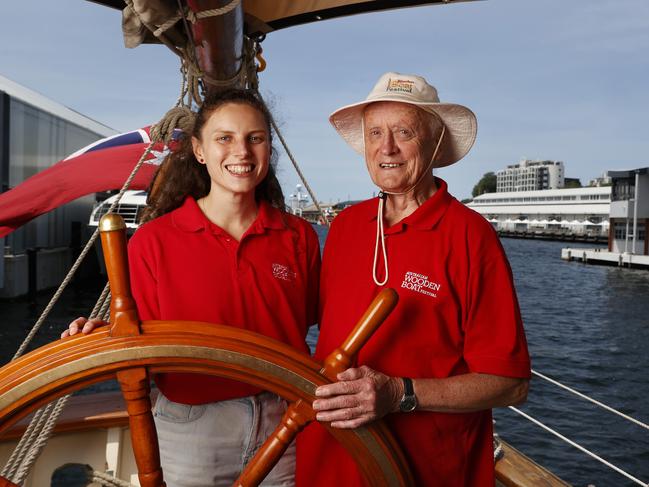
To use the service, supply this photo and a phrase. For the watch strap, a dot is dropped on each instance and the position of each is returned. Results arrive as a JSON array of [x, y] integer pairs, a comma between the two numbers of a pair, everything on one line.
[[409, 400], [408, 388]]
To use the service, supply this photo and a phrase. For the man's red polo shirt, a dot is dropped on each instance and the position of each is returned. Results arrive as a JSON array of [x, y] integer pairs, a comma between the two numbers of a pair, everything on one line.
[[457, 313], [184, 267]]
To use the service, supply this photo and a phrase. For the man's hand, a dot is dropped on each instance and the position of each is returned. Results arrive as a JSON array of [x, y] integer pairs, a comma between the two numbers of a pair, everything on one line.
[[361, 395], [83, 325]]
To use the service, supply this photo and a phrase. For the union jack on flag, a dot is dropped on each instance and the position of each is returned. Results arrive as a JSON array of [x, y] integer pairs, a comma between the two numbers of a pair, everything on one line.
[[101, 166]]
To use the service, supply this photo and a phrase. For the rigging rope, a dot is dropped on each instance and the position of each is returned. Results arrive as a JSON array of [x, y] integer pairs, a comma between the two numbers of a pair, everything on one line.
[[194, 17], [295, 164], [109, 481], [104, 312], [105, 293], [163, 38], [29, 457], [32, 431], [584, 396], [579, 447]]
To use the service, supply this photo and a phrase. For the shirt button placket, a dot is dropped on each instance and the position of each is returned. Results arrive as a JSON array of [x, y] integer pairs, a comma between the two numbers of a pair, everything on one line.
[[231, 248]]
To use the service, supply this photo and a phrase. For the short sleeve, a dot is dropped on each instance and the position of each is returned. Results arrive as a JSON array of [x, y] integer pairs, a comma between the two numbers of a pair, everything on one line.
[[494, 337], [142, 270]]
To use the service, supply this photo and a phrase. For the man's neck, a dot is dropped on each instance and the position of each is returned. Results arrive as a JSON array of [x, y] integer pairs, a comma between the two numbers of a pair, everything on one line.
[[400, 206]]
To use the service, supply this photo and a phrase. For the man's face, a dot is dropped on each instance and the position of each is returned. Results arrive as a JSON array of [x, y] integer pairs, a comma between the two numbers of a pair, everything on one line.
[[398, 144]]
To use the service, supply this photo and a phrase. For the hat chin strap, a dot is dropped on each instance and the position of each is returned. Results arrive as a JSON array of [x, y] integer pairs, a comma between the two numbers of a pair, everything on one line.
[[383, 196]]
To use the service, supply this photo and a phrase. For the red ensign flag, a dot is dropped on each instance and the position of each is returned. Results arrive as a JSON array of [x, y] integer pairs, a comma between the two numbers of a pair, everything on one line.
[[103, 165]]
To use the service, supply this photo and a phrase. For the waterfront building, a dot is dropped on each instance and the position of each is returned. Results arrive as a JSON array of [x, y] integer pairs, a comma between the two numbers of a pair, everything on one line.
[[36, 132], [629, 211], [628, 245], [570, 211], [530, 175]]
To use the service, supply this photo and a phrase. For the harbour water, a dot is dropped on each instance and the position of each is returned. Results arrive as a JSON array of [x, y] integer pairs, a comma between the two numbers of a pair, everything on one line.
[[587, 326]]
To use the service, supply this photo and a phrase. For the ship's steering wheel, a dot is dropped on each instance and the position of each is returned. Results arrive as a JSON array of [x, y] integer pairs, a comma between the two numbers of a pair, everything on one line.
[[132, 350]]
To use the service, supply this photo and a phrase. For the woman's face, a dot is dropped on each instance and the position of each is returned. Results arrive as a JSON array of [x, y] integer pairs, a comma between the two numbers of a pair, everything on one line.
[[235, 147]]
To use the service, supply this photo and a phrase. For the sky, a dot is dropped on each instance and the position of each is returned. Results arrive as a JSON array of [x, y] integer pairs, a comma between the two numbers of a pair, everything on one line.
[[547, 79]]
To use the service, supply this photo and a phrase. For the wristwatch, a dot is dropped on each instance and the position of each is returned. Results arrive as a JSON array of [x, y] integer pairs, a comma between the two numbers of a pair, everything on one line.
[[409, 400]]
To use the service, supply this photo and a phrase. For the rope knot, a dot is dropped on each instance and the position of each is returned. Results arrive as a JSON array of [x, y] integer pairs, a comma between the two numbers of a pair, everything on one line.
[[178, 117]]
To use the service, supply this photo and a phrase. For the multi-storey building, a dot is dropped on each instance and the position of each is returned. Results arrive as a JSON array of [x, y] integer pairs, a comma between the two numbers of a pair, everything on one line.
[[36, 132], [530, 175], [572, 211], [630, 211]]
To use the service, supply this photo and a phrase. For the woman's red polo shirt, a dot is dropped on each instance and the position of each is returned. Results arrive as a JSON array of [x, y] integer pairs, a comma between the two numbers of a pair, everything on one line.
[[184, 267], [457, 313]]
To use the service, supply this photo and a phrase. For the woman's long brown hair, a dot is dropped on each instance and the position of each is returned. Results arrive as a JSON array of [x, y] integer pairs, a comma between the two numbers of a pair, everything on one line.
[[181, 175]]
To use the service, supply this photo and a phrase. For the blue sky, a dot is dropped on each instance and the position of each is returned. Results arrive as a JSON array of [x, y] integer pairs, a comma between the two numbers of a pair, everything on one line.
[[551, 79]]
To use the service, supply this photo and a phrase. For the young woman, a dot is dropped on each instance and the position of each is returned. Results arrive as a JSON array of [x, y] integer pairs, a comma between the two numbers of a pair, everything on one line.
[[218, 247]]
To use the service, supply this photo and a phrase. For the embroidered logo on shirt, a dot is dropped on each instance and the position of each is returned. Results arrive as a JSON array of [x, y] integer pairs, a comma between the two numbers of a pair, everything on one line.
[[420, 283], [283, 272]]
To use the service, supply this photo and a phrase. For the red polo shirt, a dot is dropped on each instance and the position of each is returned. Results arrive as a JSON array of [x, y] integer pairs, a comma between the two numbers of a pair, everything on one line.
[[457, 313], [184, 267]]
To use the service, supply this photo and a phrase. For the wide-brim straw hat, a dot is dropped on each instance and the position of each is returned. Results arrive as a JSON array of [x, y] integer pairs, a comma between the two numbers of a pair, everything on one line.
[[460, 122]]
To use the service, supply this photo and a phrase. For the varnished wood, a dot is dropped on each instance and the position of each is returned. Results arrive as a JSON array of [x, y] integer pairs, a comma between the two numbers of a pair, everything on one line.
[[34, 379], [135, 388], [133, 382], [6, 483], [123, 312], [516, 470], [299, 414], [107, 409], [343, 357], [38, 377]]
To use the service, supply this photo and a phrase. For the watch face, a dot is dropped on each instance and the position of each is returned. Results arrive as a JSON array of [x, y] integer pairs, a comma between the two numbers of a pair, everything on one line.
[[408, 403]]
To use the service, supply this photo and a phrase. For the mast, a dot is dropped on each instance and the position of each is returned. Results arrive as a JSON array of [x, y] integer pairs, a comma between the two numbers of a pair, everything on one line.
[[218, 43]]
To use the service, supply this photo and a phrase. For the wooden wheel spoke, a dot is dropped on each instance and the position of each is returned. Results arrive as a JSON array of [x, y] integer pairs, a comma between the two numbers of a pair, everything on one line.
[[299, 414], [6, 483], [296, 417]]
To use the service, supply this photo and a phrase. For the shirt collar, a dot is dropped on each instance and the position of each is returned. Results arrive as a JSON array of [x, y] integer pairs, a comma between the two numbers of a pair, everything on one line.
[[270, 217], [427, 215], [190, 218]]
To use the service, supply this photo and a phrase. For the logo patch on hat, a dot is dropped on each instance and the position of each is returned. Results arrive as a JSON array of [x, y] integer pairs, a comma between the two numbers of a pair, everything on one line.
[[400, 85]]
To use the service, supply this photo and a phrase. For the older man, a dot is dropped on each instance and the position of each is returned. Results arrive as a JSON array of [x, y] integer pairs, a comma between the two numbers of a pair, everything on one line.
[[454, 347]]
